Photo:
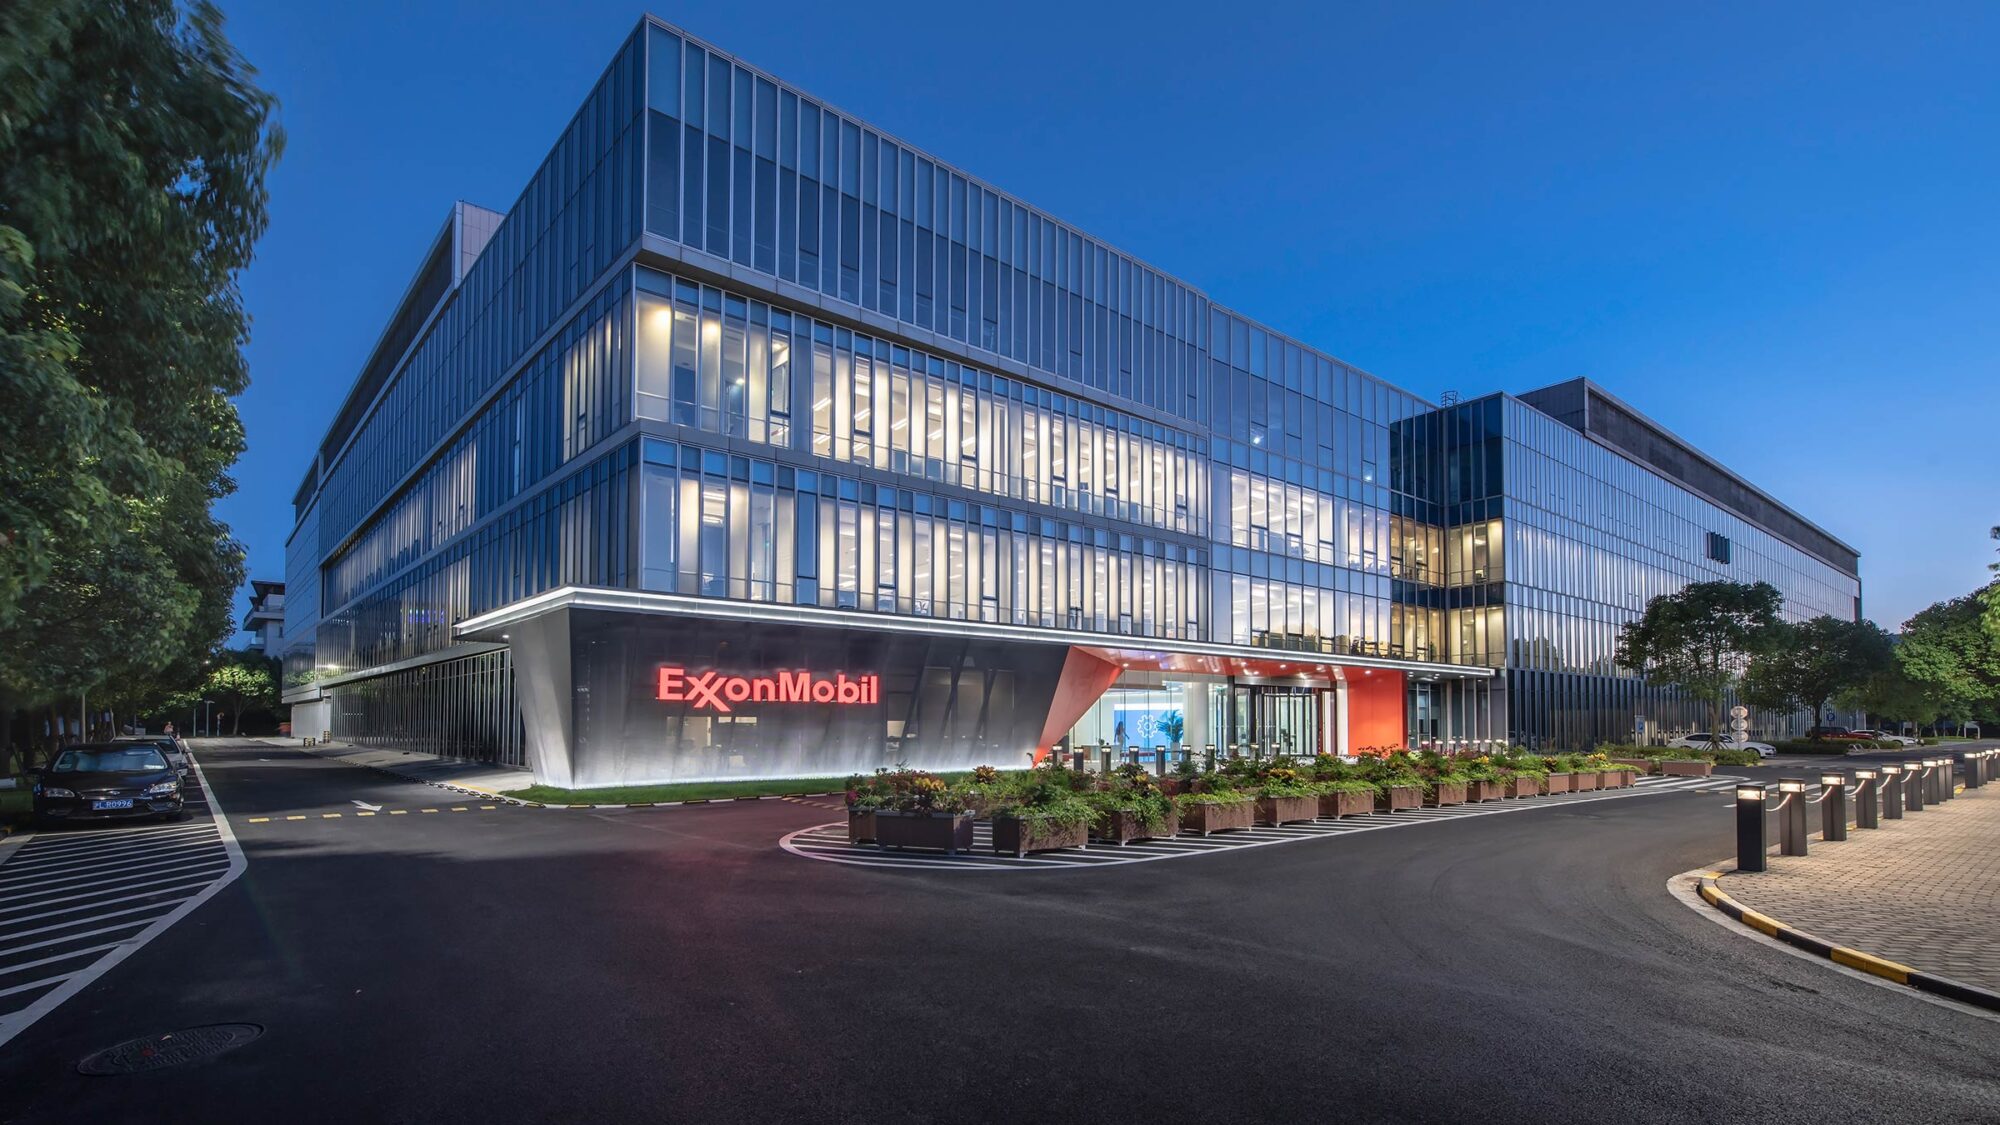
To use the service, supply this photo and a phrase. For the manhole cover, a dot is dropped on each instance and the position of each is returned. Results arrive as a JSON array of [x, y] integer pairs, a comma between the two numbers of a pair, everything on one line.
[[158, 1052]]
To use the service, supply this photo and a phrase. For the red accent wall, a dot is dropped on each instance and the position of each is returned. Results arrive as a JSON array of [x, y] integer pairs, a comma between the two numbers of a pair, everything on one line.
[[1084, 678], [1376, 709]]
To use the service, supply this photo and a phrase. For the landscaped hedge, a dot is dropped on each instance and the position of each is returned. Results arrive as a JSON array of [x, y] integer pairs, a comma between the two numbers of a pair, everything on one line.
[[1832, 745]]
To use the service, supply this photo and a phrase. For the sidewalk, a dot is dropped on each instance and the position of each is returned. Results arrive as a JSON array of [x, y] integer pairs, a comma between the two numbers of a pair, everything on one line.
[[1924, 890], [478, 777]]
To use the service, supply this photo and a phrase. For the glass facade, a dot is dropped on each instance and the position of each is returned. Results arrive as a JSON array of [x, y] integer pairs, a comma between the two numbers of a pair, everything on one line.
[[733, 344]]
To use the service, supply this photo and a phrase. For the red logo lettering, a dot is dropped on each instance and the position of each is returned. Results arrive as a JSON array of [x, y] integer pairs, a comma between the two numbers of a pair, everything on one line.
[[714, 691]]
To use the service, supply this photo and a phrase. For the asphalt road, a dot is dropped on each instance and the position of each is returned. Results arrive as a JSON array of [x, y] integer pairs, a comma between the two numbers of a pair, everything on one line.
[[545, 965]]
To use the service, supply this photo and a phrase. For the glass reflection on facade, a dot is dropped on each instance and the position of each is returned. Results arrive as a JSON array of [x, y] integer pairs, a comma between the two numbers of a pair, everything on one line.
[[733, 344]]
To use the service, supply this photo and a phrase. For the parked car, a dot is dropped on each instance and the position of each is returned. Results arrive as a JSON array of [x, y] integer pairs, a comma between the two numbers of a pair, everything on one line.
[[108, 781], [1885, 736], [175, 750], [1702, 740], [1834, 734]]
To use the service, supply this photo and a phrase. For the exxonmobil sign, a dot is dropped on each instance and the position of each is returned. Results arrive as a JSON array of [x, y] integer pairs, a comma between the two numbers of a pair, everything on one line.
[[716, 691]]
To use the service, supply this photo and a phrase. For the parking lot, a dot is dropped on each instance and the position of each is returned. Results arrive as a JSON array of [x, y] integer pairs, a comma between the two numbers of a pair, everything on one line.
[[75, 902]]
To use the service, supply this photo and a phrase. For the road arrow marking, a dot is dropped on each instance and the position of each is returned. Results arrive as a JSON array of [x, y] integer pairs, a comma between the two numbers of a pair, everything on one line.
[[366, 805]]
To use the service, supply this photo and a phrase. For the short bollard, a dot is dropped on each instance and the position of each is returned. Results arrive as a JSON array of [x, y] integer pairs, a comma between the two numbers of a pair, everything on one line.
[[1935, 787], [1160, 761], [1104, 757], [1892, 792], [1833, 806], [1792, 816], [1751, 838], [1915, 781], [1867, 798], [1945, 790], [1078, 760], [1210, 756], [1975, 769]]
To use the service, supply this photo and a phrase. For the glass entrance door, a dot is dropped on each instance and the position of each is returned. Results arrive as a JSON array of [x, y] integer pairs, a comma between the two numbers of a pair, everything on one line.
[[1281, 720]]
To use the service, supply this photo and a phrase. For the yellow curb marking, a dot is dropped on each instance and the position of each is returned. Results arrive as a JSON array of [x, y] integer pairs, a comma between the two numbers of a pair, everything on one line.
[[399, 812], [489, 807], [1869, 963], [364, 814], [426, 810], [458, 808], [295, 818], [329, 816], [260, 820]]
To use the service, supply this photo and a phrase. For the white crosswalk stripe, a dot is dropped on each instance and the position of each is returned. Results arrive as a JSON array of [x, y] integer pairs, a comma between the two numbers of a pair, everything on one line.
[[75, 903], [828, 842]]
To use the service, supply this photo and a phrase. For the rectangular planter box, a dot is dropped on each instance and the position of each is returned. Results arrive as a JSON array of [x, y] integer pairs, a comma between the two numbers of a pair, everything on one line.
[[1345, 804], [1019, 837], [1123, 827], [947, 832], [1560, 782], [1583, 782], [1446, 793], [1218, 818], [1686, 769], [1482, 791], [860, 826], [1642, 765], [1616, 779], [1399, 797], [1286, 810], [1524, 787]]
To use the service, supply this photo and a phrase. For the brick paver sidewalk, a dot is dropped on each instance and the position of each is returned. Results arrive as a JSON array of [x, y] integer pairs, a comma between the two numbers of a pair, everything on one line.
[[1924, 890]]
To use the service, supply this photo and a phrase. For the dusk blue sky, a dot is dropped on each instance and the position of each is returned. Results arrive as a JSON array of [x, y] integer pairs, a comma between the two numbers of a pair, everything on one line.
[[1772, 228]]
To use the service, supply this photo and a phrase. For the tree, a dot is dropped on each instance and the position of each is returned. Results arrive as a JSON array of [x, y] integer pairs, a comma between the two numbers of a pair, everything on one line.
[[1803, 666], [244, 680], [1701, 638], [1952, 651], [133, 150]]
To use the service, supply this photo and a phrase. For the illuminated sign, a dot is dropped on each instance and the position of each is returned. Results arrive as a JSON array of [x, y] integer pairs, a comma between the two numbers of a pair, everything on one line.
[[715, 691]]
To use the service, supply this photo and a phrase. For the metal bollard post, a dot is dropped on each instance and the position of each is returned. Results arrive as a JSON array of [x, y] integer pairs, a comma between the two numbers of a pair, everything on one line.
[[1131, 755], [1077, 761], [1210, 755], [1104, 758], [1751, 838], [1833, 806], [1975, 769], [1915, 781], [1792, 817], [1160, 761], [1946, 789], [1892, 793], [1934, 794], [1867, 798]]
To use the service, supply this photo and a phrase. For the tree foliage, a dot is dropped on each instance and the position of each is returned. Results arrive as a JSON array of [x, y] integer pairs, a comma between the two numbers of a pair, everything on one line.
[[133, 150], [1701, 638], [1803, 666], [1952, 651]]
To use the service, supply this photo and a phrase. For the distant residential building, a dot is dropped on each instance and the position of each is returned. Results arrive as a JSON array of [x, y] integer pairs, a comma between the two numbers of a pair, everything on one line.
[[266, 620]]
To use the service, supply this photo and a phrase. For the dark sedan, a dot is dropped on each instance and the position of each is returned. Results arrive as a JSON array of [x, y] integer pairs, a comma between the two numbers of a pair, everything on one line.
[[108, 781]]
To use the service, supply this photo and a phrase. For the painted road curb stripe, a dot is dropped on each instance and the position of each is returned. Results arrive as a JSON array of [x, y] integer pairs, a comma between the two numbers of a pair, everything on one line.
[[1713, 894]]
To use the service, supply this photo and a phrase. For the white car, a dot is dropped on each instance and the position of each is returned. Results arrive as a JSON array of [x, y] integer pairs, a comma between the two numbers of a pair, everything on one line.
[[1701, 740], [1885, 736]]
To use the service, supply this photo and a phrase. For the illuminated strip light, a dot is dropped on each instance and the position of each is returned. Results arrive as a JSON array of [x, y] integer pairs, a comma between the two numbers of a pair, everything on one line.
[[720, 609]]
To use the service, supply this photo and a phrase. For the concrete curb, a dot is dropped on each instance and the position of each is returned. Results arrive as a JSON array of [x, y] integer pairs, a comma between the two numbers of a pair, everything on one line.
[[1712, 893], [488, 794]]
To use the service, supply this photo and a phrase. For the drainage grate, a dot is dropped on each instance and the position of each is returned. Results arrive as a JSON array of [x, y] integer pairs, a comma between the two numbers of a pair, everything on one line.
[[158, 1052]]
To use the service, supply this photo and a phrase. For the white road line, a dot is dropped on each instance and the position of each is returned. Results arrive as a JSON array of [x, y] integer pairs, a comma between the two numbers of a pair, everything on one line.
[[14, 1023], [42, 849], [70, 956], [115, 891], [98, 863], [117, 886], [46, 943], [87, 836], [33, 985], [78, 922], [7, 890]]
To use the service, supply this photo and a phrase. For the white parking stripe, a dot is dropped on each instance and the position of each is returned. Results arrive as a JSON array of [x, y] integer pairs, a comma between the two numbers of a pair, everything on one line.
[[82, 921], [109, 956], [48, 942], [119, 886], [7, 891], [41, 850], [33, 985], [99, 863]]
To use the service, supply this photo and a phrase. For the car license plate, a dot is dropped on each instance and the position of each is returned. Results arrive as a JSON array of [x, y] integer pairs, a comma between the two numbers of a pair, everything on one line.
[[121, 803]]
